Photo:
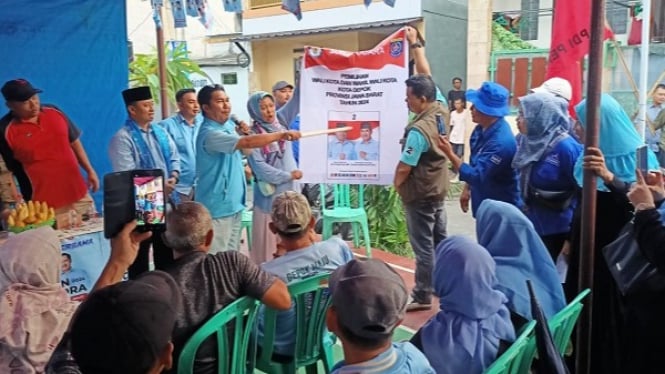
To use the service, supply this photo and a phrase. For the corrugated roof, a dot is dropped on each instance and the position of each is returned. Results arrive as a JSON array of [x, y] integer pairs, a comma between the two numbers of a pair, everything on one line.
[[323, 30]]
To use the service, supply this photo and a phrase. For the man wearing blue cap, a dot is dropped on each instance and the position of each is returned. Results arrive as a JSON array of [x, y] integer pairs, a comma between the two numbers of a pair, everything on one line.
[[489, 174]]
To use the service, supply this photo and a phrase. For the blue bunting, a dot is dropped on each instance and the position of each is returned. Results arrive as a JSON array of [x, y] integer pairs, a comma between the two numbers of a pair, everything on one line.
[[233, 6], [292, 6], [192, 8], [179, 16]]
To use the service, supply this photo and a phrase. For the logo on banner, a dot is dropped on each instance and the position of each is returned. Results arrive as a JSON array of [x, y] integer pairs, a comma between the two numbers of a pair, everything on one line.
[[314, 51], [396, 47]]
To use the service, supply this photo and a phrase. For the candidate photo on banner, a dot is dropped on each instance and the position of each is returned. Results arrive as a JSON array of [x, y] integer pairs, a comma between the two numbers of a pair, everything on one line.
[[83, 259], [359, 98]]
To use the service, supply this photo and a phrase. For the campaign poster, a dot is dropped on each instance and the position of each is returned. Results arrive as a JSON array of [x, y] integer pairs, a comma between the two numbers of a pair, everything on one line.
[[363, 95], [83, 258]]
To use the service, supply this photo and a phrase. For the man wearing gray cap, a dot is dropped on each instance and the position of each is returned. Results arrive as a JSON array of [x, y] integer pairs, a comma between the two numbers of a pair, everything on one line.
[[282, 92], [368, 302], [292, 221]]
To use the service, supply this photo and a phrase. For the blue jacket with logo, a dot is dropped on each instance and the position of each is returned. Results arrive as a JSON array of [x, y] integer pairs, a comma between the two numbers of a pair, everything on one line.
[[489, 172]]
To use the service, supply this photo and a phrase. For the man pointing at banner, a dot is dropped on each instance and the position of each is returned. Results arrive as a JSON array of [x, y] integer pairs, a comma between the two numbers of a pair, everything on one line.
[[421, 179]]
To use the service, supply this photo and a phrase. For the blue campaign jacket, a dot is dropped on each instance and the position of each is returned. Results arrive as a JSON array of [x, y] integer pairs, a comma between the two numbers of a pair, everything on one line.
[[489, 171]]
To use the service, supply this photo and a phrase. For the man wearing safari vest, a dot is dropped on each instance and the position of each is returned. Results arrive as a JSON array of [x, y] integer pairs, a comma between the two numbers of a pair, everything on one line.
[[421, 179]]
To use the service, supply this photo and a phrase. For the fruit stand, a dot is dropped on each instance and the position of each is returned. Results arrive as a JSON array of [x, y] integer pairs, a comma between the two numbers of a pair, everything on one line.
[[84, 248]]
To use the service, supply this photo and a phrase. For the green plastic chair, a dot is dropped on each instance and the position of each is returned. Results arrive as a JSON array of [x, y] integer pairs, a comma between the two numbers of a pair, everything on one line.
[[562, 324], [246, 224], [517, 357], [313, 341], [342, 211], [232, 356]]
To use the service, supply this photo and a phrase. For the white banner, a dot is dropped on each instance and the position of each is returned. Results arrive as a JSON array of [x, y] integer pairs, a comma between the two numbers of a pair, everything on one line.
[[365, 91]]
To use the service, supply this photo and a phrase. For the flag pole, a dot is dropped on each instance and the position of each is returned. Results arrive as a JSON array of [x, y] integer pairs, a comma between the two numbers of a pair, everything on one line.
[[161, 58], [644, 66], [587, 240]]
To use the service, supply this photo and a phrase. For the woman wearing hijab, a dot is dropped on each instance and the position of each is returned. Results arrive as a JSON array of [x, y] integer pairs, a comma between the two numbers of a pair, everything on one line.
[[546, 155], [520, 255], [34, 308], [473, 320], [618, 141], [275, 170]]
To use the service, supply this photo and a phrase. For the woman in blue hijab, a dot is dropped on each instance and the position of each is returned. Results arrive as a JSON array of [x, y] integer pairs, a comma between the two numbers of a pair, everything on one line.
[[520, 255], [464, 336], [614, 161], [546, 155], [275, 170]]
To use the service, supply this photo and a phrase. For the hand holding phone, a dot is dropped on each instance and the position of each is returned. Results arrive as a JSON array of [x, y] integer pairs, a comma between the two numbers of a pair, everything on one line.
[[440, 125], [641, 156]]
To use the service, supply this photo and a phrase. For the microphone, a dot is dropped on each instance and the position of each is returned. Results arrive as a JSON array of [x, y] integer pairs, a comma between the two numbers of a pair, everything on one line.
[[239, 128]]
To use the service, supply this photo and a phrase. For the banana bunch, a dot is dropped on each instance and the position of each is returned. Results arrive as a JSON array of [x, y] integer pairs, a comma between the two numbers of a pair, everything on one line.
[[32, 213]]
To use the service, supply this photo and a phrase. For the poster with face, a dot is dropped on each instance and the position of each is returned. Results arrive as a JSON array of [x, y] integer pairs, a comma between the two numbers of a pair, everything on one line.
[[362, 94], [82, 261]]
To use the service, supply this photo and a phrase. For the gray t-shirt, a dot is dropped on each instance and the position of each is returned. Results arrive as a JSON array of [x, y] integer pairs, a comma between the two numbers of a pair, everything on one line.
[[208, 284]]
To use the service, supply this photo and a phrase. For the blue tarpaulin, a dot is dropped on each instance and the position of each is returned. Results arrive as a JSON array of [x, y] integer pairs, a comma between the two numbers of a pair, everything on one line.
[[76, 51]]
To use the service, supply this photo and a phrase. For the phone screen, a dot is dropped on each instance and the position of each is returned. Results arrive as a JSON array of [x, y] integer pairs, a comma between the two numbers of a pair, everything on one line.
[[149, 200], [642, 160]]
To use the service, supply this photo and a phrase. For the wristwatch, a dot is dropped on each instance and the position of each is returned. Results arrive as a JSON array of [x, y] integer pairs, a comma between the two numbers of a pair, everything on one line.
[[416, 45]]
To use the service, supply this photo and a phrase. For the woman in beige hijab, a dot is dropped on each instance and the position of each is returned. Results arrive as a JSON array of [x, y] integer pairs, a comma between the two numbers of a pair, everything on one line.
[[34, 309]]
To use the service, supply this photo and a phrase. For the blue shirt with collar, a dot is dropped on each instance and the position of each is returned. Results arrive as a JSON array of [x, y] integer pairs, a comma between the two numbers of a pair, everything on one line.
[[124, 153], [489, 172], [335, 148], [652, 138], [221, 183], [400, 358], [184, 137], [371, 149]]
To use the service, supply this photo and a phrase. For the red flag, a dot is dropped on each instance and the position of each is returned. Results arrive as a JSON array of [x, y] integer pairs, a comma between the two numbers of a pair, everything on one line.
[[570, 43]]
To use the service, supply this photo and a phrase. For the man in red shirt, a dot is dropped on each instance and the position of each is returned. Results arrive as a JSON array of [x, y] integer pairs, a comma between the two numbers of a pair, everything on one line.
[[43, 142]]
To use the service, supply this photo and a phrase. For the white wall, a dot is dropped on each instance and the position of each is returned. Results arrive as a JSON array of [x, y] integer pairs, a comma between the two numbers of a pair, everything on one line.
[[350, 15], [239, 93]]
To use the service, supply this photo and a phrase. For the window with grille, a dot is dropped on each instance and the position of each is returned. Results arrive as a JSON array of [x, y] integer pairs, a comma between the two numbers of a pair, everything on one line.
[[529, 19], [616, 13]]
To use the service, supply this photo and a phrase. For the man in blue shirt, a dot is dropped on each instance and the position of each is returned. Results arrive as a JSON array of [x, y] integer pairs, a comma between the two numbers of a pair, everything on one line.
[[303, 256], [140, 145], [341, 148], [368, 302], [367, 148], [489, 174], [184, 127], [221, 185]]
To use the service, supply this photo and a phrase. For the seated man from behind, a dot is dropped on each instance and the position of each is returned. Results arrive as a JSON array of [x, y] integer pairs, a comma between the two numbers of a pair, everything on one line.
[[126, 328], [368, 302], [211, 282], [293, 222]]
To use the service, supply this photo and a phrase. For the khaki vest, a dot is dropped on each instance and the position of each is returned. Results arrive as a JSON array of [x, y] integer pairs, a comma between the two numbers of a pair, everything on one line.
[[428, 181]]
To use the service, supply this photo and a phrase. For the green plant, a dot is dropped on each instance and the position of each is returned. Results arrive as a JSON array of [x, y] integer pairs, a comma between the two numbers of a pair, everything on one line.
[[144, 71], [387, 222], [504, 40]]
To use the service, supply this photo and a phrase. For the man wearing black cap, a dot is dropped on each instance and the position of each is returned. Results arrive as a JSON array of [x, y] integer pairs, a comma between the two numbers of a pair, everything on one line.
[[42, 147], [282, 92], [368, 303], [140, 145], [126, 328]]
